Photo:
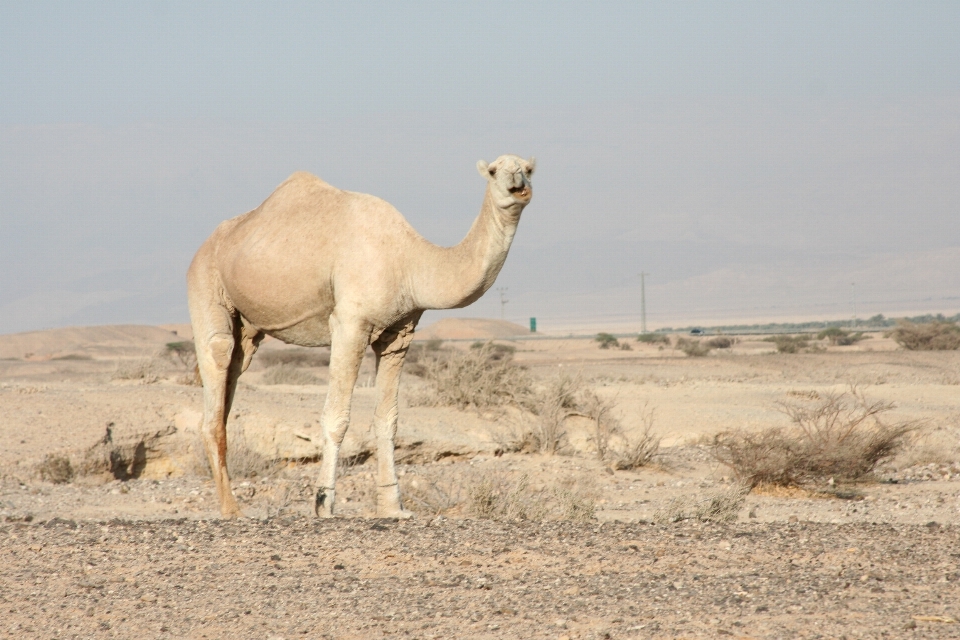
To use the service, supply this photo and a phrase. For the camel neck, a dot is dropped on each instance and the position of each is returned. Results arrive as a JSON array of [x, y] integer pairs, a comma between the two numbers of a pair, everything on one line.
[[453, 277]]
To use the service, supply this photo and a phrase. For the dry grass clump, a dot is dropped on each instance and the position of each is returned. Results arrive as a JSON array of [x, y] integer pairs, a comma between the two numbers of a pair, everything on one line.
[[56, 468], [723, 506], [609, 341], [496, 496], [691, 347], [433, 493], [419, 353], [480, 378], [556, 402], [144, 370], [184, 355], [497, 351], [839, 435], [302, 357], [720, 342], [653, 338], [789, 344], [639, 451], [485, 377], [930, 336], [288, 374], [243, 461]]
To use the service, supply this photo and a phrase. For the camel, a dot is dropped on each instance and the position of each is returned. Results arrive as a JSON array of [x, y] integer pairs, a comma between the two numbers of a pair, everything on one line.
[[317, 266]]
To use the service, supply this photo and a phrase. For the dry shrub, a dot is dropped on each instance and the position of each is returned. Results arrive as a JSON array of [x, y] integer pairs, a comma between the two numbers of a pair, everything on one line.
[[931, 336], [497, 496], [653, 338], [789, 344], [493, 497], [183, 353], [288, 374], [303, 357], [723, 506], [720, 342], [144, 370], [555, 404], [840, 435], [497, 351], [243, 461], [481, 378], [640, 451], [485, 378], [693, 348], [419, 352], [607, 341], [55, 468], [574, 500], [604, 423], [433, 493]]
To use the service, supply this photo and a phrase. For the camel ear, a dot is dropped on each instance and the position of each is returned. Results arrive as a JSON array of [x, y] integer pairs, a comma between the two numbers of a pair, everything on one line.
[[484, 169], [531, 165]]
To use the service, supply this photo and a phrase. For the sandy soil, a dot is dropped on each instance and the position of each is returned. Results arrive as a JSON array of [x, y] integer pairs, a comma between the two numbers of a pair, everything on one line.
[[103, 557]]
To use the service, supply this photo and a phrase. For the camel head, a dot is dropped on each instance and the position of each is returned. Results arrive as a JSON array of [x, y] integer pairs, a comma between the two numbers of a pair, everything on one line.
[[508, 179]]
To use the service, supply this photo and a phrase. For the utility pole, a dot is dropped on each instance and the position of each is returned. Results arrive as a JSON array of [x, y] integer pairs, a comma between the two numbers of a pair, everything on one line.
[[503, 299], [853, 299], [643, 302]]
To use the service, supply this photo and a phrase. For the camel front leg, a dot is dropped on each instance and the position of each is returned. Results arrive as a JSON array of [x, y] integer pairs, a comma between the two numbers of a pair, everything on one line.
[[391, 350], [346, 353]]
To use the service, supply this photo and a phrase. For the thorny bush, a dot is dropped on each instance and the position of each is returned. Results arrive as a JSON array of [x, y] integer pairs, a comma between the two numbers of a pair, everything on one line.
[[839, 435]]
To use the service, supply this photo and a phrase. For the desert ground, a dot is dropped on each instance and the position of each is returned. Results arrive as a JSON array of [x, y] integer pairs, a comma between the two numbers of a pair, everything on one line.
[[110, 527]]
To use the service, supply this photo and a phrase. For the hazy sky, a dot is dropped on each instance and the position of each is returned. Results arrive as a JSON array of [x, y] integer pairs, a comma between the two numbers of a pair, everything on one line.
[[758, 159]]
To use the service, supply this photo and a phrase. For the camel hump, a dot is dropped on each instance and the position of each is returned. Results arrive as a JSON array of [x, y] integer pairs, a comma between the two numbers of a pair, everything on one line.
[[304, 180]]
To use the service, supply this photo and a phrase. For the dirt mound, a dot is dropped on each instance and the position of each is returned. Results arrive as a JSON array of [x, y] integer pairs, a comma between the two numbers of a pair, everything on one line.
[[73, 341], [470, 329]]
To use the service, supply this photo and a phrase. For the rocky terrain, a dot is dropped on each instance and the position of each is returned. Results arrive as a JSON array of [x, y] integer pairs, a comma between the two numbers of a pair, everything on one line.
[[131, 543]]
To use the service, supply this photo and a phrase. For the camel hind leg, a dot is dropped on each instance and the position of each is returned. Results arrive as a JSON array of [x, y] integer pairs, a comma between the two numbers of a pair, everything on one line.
[[224, 346]]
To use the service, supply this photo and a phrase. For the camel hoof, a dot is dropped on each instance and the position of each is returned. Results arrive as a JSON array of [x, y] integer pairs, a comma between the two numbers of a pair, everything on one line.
[[230, 514], [323, 503]]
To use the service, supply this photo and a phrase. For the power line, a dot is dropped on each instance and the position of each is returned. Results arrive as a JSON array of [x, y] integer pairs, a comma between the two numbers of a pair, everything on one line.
[[643, 302]]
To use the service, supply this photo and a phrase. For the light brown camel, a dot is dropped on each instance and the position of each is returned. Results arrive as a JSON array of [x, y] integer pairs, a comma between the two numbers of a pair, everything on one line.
[[313, 266]]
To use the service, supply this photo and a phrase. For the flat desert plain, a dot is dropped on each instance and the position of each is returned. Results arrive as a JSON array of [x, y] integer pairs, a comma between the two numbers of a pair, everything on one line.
[[110, 528]]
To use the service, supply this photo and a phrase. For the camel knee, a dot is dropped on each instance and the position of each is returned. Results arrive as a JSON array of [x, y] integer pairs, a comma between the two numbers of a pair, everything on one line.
[[219, 351]]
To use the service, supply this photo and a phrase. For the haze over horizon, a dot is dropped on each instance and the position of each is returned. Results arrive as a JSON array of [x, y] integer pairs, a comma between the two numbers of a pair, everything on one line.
[[758, 160]]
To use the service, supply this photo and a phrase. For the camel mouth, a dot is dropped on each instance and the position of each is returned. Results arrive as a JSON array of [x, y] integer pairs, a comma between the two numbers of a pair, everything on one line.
[[521, 192]]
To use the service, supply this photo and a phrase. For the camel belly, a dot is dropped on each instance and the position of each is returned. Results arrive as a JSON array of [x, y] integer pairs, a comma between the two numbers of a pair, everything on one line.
[[312, 332]]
